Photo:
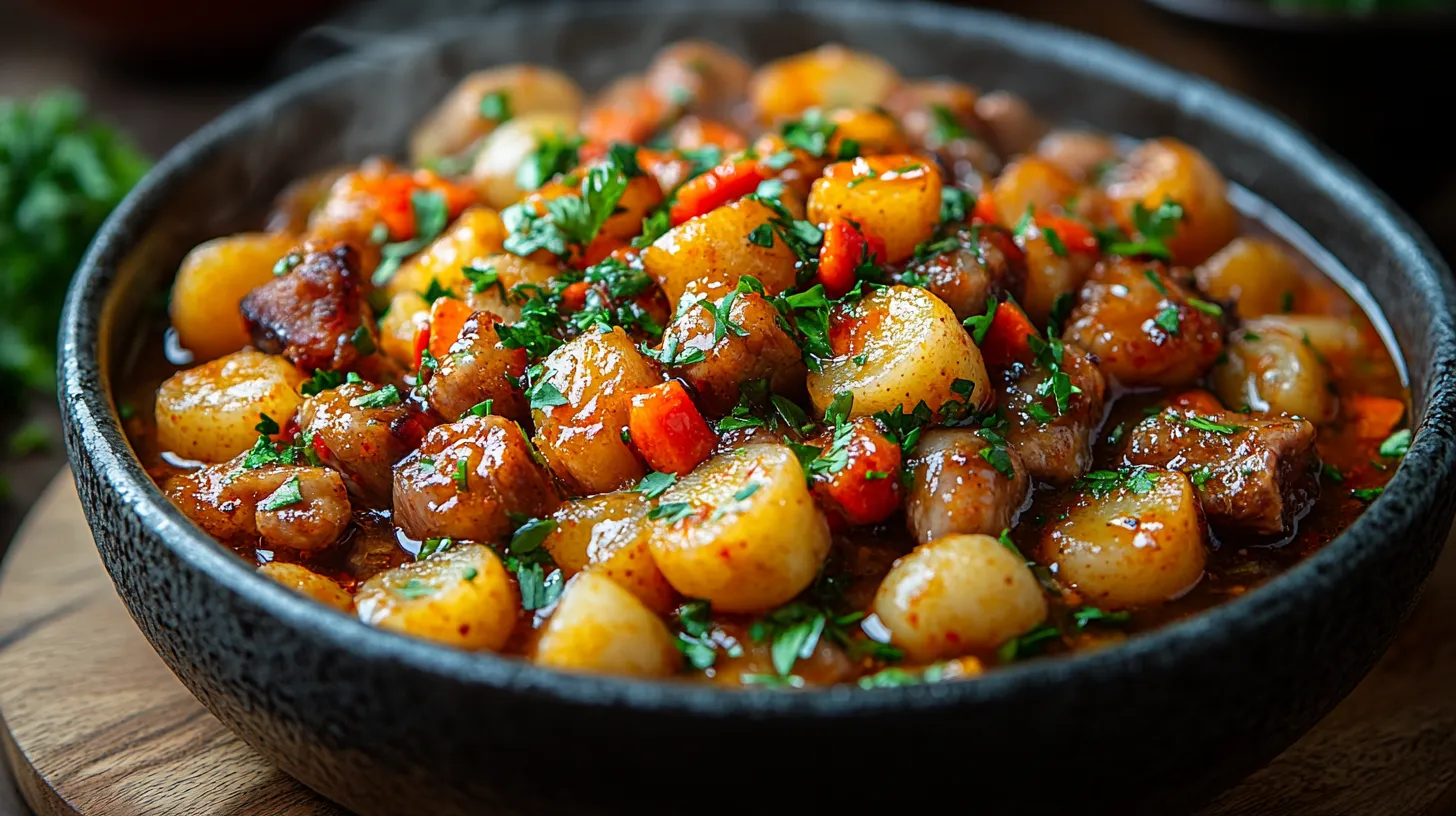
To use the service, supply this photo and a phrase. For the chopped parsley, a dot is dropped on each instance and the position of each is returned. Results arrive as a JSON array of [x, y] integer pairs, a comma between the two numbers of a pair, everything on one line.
[[1049, 355], [288, 493], [696, 640], [286, 263], [654, 225], [978, 325], [322, 380], [529, 560], [267, 426], [1201, 476], [1091, 614], [383, 398], [482, 408], [414, 588], [542, 394], [483, 278], [1200, 423], [1030, 644], [762, 235], [1206, 307], [1397, 444], [955, 204], [496, 106], [1367, 494], [435, 291], [1167, 319], [810, 133], [431, 546], [554, 154], [1153, 228], [1101, 483], [431, 217], [996, 453], [671, 513], [1054, 241], [655, 484], [461, 476], [1332, 473], [1061, 310], [944, 127]]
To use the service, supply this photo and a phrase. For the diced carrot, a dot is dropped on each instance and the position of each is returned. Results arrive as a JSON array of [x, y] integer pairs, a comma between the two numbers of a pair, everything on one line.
[[985, 209], [729, 181], [600, 247], [668, 430], [394, 197], [843, 249], [447, 318], [1197, 400], [1373, 417], [422, 342], [867, 489], [573, 298], [1005, 342], [1074, 234]]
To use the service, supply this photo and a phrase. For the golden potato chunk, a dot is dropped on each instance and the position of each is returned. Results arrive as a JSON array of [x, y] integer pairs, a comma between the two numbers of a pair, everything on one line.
[[899, 346], [461, 118], [830, 76], [741, 531], [508, 147], [1271, 367], [477, 234], [1167, 170], [600, 627], [608, 534], [1128, 539], [957, 595], [581, 436], [460, 597], [212, 281], [1031, 183], [893, 197], [1255, 274], [305, 581], [708, 255], [208, 413]]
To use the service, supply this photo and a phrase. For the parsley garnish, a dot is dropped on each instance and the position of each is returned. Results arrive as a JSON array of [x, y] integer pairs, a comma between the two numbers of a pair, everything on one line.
[[978, 325], [1201, 476], [810, 133], [1061, 310], [696, 640], [1206, 307], [1367, 494], [654, 226], [954, 205], [435, 291], [762, 235], [321, 381], [996, 453], [462, 476], [944, 127], [383, 398], [1054, 241], [1205, 424], [905, 429], [554, 154], [286, 263], [496, 106], [288, 493], [431, 546], [1153, 227], [431, 217], [1397, 444], [1091, 614], [1331, 473], [414, 588], [671, 513], [1167, 319], [482, 408], [655, 484], [1027, 645], [267, 426], [1101, 483], [542, 394]]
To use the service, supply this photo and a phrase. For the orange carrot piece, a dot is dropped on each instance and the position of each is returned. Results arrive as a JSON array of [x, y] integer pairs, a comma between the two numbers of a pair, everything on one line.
[[844, 248], [573, 298], [1373, 417], [1005, 342], [668, 430], [985, 209], [1075, 235], [729, 181], [867, 489], [447, 317]]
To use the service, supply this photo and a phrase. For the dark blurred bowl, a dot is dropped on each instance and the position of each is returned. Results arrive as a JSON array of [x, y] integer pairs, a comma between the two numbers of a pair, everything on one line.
[[1293, 17], [173, 31], [386, 724]]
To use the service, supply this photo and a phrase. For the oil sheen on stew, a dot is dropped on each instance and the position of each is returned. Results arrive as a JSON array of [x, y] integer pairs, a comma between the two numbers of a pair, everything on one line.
[[788, 376]]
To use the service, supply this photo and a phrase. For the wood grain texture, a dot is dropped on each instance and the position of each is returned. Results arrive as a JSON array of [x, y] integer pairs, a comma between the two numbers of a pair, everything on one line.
[[97, 725]]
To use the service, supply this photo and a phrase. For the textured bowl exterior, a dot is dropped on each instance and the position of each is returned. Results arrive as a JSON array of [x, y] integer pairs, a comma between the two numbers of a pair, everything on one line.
[[388, 725]]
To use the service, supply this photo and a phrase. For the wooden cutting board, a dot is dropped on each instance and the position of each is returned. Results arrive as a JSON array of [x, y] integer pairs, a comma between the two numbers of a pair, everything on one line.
[[96, 724]]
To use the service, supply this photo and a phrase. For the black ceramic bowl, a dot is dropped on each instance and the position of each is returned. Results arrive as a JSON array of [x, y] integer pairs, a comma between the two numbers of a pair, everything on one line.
[[390, 725]]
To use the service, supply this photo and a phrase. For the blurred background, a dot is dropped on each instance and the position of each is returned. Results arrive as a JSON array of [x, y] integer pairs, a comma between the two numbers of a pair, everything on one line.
[[1371, 78]]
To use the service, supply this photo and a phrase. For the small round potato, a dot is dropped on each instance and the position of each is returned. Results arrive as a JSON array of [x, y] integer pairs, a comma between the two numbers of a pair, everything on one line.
[[957, 595], [893, 197], [213, 279], [1256, 274], [596, 374], [608, 534], [1167, 170], [1273, 369], [511, 144], [307, 582], [1136, 544], [460, 120], [1031, 183], [911, 349], [742, 530], [408, 313], [460, 597], [209, 413], [600, 627], [830, 76], [477, 234], [708, 255]]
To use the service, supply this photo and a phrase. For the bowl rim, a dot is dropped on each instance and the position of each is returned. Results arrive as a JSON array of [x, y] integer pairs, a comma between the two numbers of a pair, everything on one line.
[[86, 398]]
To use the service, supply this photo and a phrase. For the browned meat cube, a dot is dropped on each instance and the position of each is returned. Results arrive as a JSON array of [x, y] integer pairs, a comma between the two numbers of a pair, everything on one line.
[[314, 314], [1055, 446], [1253, 475]]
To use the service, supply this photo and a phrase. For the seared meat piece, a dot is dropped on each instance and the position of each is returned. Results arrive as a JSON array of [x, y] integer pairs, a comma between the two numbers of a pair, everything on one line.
[[764, 350], [980, 267], [956, 487], [315, 314], [468, 479], [300, 508], [479, 368], [1254, 475], [1145, 327], [361, 430], [1055, 447]]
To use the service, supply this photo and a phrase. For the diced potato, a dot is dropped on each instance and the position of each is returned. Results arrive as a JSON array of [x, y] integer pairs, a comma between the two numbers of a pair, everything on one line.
[[957, 595], [1254, 273], [477, 234], [699, 76], [913, 350], [893, 197], [307, 582], [742, 530], [1273, 369], [954, 488], [1337, 339], [1144, 326], [830, 76], [208, 413], [1031, 182], [408, 313], [600, 627], [596, 374], [459, 121], [1162, 170], [872, 132], [1136, 543], [608, 534], [469, 479], [708, 255], [1050, 276], [510, 145], [460, 597], [511, 271], [213, 279], [765, 351]]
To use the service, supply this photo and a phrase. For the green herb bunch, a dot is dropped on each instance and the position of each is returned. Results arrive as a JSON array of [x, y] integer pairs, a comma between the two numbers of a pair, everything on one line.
[[61, 173]]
